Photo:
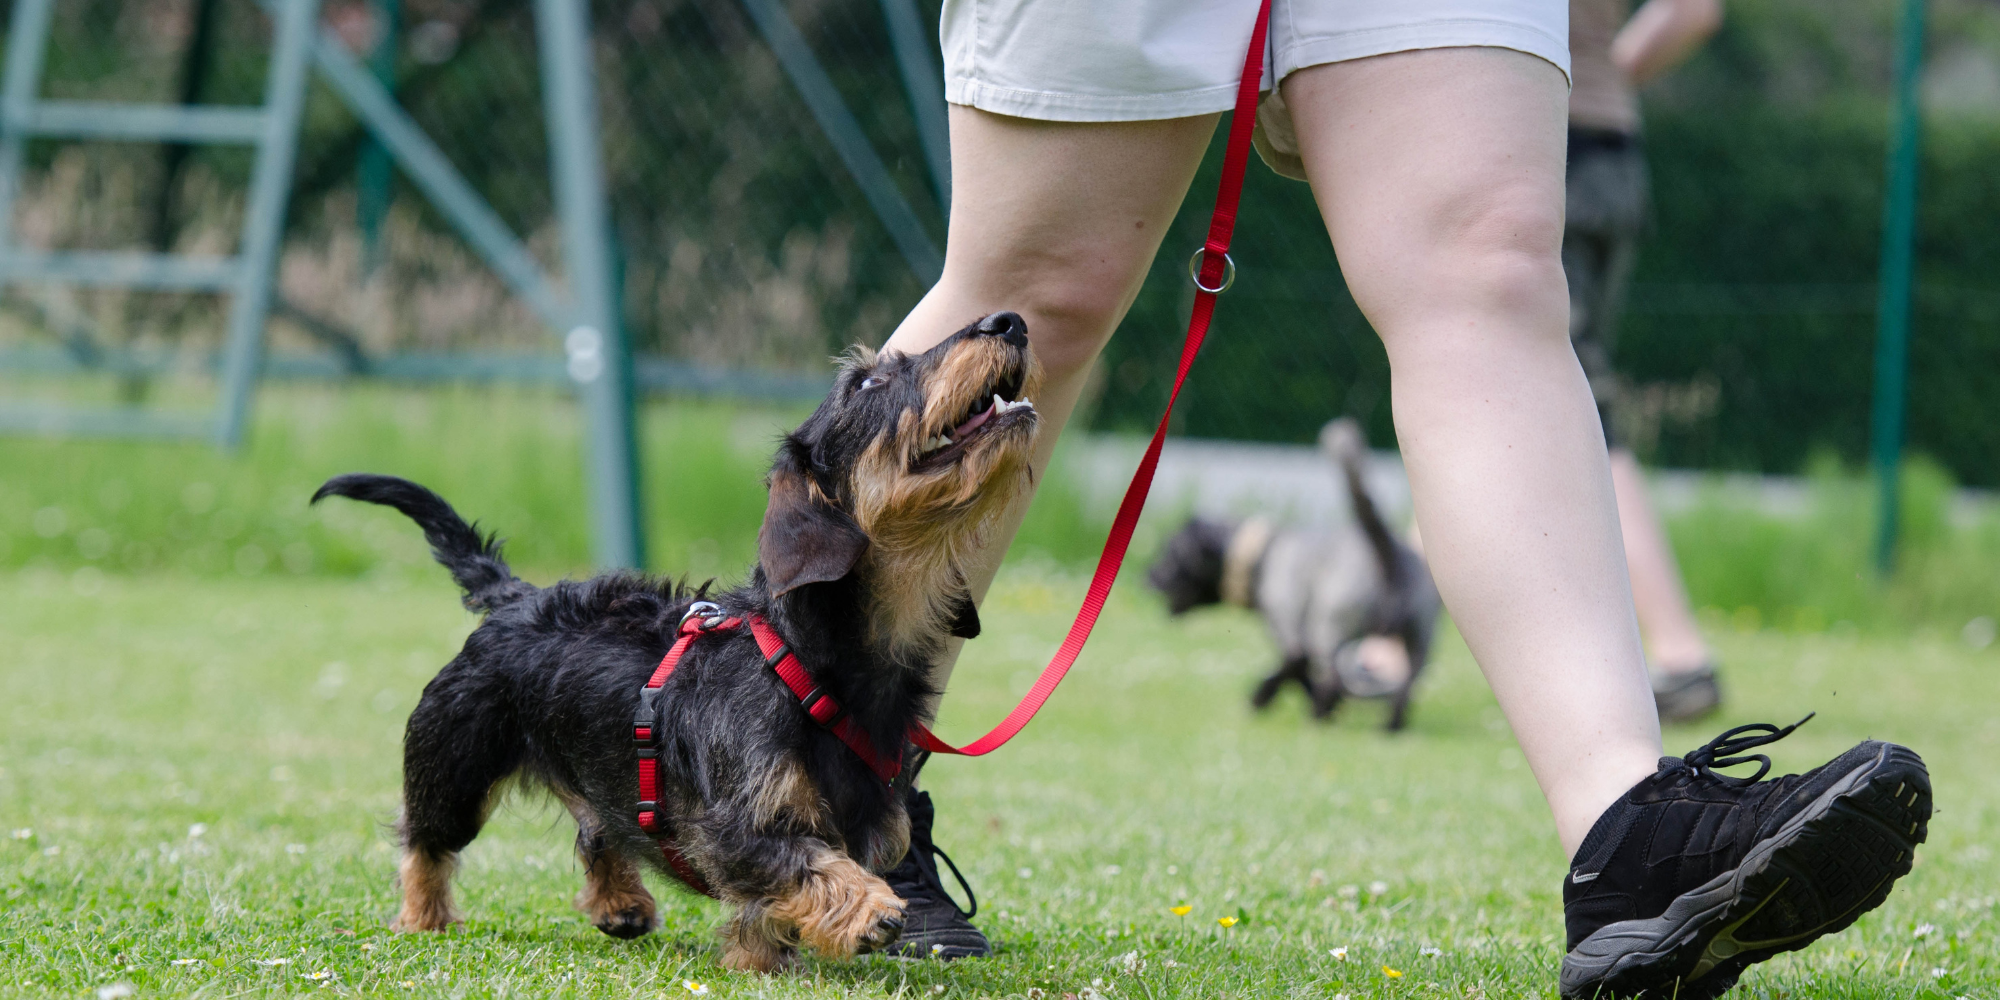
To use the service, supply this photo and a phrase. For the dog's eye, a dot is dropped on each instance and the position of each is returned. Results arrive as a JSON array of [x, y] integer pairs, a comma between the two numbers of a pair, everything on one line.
[[872, 381]]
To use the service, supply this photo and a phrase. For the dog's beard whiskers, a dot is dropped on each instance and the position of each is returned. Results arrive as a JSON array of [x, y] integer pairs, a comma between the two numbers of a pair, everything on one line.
[[923, 531], [926, 527]]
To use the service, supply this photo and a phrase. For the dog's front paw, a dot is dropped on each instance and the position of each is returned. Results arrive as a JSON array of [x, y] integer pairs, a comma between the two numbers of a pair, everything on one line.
[[626, 924], [752, 949], [885, 932], [420, 918], [615, 898], [841, 910]]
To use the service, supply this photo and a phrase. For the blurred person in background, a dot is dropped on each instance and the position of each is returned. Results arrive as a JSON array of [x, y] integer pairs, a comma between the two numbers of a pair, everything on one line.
[[1611, 56]]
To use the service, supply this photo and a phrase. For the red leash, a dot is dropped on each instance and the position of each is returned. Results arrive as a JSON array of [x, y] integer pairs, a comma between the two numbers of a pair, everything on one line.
[[1215, 274]]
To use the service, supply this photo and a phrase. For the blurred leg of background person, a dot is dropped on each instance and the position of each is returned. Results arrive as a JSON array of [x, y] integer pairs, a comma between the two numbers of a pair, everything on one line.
[[1440, 176], [1606, 196], [1607, 204], [1672, 635], [1057, 221]]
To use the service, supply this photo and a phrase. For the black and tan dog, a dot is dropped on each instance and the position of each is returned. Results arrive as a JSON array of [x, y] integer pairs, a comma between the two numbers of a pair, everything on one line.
[[1352, 610], [875, 502]]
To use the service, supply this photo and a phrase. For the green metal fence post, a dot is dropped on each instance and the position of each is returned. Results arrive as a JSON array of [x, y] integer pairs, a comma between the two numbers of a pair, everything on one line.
[[27, 38], [924, 82], [376, 176], [264, 216], [600, 360], [1892, 344]]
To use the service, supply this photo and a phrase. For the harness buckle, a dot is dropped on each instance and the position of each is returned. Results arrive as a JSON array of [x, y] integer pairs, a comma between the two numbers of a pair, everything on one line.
[[646, 719]]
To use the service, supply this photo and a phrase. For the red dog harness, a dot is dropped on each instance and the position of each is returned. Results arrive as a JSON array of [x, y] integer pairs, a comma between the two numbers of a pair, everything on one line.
[[702, 619]]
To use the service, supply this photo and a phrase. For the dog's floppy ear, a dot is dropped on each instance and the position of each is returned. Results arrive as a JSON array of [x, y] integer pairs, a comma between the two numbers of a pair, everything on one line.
[[805, 539]]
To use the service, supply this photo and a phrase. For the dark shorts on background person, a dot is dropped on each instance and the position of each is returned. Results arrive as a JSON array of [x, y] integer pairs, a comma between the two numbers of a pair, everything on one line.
[[1606, 208]]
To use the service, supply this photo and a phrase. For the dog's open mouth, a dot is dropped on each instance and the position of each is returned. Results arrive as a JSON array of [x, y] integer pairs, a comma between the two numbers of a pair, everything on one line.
[[995, 409]]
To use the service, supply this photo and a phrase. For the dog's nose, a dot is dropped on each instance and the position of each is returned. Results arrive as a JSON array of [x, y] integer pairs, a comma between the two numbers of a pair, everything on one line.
[[1007, 326]]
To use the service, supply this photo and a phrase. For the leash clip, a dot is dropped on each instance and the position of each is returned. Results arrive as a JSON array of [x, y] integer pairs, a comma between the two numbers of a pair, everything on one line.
[[709, 611], [1228, 271]]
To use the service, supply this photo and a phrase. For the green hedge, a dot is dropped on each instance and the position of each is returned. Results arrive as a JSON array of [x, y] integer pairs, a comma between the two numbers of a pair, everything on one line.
[[1752, 319], [1758, 279]]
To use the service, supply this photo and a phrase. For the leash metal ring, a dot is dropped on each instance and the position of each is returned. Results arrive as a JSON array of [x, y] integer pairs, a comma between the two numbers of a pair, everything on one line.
[[703, 609], [1228, 272]]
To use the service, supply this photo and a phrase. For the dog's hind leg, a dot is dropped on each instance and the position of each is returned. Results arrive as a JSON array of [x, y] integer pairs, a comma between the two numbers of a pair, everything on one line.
[[461, 742], [1399, 707], [614, 895], [1326, 695], [1292, 669], [1417, 640]]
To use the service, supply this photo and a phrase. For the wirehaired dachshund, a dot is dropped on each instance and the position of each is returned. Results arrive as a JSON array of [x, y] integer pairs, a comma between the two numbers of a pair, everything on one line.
[[876, 501]]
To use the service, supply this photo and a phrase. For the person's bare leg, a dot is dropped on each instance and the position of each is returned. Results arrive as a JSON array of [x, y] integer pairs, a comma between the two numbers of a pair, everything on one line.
[[1672, 636], [1440, 175], [1059, 222]]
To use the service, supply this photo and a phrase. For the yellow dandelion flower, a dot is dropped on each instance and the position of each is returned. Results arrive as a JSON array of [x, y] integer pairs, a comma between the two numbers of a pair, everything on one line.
[[1391, 973], [1181, 911], [1226, 921]]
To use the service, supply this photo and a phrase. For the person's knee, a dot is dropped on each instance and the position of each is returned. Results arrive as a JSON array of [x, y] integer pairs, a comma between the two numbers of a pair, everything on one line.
[[1495, 252], [1071, 300]]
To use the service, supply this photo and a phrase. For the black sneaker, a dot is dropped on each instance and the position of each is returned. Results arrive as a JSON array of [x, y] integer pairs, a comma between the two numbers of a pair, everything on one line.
[[933, 925], [1693, 876], [1686, 695]]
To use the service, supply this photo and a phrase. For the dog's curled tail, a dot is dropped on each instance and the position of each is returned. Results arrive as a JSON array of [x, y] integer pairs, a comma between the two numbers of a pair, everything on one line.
[[1343, 441], [474, 561]]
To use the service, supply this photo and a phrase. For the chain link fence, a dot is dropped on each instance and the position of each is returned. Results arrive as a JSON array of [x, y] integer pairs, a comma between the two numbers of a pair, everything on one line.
[[743, 240], [748, 241]]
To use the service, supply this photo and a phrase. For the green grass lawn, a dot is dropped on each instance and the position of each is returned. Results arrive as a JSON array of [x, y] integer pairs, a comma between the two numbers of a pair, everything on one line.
[[201, 770]]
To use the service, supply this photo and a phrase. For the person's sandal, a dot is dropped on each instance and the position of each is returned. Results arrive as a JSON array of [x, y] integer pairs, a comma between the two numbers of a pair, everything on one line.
[[1693, 876], [933, 924]]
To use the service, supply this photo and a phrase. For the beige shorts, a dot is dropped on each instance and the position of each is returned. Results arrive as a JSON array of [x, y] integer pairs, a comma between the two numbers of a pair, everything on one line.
[[1138, 60]]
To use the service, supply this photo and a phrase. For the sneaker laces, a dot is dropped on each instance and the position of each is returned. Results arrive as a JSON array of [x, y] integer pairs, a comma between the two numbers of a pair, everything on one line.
[[930, 883], [1720, 751], [922, 856]]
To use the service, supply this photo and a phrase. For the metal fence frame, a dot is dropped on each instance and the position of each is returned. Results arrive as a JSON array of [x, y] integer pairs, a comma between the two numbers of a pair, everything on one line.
[[597, 357]]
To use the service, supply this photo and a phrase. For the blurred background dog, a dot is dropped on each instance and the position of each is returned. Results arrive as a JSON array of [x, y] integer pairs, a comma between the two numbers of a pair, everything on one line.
[[1352, 608]]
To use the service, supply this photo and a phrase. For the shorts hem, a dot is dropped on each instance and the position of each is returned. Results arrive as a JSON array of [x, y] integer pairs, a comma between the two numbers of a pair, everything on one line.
[[1053, 106], [1290, 57], [1298, 54]]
